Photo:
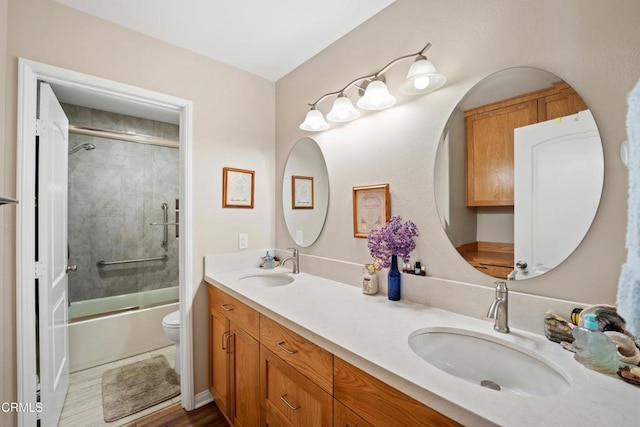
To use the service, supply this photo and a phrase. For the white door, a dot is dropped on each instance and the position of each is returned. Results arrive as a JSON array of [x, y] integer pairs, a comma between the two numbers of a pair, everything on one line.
[[558, 177], [53, 337]]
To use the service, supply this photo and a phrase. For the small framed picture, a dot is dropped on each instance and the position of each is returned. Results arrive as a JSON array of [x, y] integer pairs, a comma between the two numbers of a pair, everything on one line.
[[237, 188], [371, 208], [301, 192]]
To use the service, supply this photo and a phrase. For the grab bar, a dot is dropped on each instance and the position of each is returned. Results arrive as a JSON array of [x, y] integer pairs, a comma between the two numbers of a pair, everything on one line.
[[128, 261]]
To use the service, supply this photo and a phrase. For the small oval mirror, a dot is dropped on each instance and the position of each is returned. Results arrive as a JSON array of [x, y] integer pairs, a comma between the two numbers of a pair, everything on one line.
[[305, 192], [519, 173]]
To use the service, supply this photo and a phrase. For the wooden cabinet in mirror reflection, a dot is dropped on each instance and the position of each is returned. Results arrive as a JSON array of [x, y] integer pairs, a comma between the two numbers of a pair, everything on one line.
[[489, 134]]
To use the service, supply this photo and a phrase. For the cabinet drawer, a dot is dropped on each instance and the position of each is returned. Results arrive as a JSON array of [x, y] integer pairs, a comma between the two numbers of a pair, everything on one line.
[[234, 310], [289, 398], [306, 357], [378, 403]]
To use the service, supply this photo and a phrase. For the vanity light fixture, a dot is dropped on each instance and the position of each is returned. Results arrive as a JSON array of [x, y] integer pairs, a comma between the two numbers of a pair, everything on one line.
[[342, 110], [422, 78], [314, 121], [376, 96]]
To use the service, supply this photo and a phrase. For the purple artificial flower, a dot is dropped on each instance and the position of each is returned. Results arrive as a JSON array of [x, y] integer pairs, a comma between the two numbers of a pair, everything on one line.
[[394, 238]]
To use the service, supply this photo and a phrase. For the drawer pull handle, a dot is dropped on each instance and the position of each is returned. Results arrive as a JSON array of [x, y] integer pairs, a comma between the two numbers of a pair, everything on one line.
[[285, 349], [226, 307], [225, 339], [284, 399]]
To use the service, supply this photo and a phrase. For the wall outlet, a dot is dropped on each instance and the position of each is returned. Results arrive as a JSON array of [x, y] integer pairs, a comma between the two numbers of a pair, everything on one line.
[[243, 241], [299, 237]]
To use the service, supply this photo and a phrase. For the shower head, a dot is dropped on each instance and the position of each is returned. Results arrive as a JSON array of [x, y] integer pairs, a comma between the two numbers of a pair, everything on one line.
[[87, 146]]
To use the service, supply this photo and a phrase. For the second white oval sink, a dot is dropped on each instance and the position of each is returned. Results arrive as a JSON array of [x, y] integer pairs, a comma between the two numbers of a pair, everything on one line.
[[268, 279], [487, 361]]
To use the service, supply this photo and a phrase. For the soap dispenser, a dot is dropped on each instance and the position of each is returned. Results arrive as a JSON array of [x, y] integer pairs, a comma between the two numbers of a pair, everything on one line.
[[595, 350], [268, 262]]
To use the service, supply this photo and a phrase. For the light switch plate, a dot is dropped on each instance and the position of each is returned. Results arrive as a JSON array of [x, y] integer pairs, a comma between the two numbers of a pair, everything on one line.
[[243, 241], [299, 237]]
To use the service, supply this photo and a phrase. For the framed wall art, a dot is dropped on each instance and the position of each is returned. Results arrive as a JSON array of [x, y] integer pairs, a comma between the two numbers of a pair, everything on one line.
[[237, 188], [371, 208], [301, 192]]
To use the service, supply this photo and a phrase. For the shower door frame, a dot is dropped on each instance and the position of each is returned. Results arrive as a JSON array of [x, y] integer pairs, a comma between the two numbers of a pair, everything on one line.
[[29, 72]]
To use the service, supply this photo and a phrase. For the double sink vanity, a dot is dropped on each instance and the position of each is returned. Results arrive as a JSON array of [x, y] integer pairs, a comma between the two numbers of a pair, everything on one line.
[[296, 349], [304, 350]]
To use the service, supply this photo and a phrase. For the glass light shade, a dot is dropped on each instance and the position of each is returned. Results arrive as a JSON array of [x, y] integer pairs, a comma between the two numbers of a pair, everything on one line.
[[376, 97], [314, 121], [342, 110], [422, 78]]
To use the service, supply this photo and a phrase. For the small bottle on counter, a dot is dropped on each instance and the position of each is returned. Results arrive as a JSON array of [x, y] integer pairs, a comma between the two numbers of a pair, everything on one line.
[[595, 350], [417, 269], [369, 283]]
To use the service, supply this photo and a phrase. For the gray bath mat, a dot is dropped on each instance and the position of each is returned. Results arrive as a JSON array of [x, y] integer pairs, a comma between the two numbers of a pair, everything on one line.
[[132, 388]]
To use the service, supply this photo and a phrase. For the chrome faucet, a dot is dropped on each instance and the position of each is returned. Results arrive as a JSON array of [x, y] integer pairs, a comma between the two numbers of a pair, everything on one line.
[[499, 309], [295, 259]]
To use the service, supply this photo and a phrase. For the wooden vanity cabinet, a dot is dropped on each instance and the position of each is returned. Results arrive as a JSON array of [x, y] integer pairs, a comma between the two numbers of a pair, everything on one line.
[[262, 373], [289, 398], [234, 358], [489, 134], [294, 373], [345, 417], [380, 404]]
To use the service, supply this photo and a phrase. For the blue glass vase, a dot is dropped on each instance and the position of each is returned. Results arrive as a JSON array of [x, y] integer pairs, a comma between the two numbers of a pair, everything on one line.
[[393, 279]]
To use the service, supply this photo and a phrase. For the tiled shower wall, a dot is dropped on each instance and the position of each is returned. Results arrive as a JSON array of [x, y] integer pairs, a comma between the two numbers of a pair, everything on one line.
[[115, 191]]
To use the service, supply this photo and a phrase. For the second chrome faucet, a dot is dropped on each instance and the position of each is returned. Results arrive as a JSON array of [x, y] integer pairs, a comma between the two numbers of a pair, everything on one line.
[[295, 259], [499, 309]]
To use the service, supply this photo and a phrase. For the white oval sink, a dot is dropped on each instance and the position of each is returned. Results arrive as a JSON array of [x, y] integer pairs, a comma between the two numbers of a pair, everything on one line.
[[268, 279], [488, 362]]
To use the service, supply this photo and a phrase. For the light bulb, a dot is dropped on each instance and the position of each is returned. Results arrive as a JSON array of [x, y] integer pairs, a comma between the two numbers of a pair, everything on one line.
[[342, 110], [314, 121], [375, 99], [421, 82], [376, 96]]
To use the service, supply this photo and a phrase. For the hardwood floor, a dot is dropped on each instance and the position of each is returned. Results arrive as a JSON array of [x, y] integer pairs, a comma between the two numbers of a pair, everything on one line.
[[175, 416]]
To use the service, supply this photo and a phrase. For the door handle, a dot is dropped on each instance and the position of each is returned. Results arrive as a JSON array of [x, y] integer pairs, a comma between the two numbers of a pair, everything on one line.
[[70, 268]]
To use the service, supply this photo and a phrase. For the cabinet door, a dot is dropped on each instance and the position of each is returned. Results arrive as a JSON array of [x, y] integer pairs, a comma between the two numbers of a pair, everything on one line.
[[565, 103], [290, 398], [490, 153], [220, 362], [245, 383], [345, 417]]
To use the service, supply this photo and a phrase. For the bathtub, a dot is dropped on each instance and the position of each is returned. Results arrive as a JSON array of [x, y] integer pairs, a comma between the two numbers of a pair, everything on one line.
[[127, 331]]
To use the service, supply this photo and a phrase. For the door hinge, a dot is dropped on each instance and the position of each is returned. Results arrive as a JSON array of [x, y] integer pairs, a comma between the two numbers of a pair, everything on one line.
[[40, 126], [40, 270]]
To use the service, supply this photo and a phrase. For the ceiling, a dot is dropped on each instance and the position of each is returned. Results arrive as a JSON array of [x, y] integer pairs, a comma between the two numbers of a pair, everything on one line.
[[266, 38]]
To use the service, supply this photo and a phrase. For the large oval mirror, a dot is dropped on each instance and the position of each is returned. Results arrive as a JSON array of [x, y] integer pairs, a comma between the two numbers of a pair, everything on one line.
[[305, 192], [519, 173]]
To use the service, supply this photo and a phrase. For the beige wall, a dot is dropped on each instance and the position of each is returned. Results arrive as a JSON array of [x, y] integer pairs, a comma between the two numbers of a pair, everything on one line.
[[233, 125], [591, 44]]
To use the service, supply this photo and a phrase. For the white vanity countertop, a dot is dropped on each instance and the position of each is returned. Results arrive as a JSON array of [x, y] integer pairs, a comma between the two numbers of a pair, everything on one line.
[[372, 333]]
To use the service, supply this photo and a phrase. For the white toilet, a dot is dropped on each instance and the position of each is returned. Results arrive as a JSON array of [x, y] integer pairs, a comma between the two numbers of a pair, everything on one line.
[[171, 325]]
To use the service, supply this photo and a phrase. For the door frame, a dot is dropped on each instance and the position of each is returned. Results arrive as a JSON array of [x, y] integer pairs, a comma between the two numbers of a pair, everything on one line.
[[29, 72]]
